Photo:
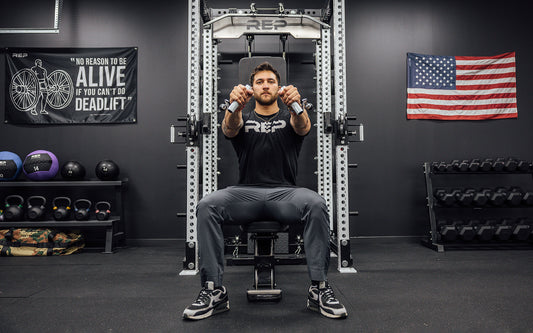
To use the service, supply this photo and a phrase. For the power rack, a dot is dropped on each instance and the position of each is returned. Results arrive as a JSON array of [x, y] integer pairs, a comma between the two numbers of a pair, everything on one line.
[[335, 129]]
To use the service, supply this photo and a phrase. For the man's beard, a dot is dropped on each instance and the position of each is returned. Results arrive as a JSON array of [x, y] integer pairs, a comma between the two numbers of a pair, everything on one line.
[[271, 99]]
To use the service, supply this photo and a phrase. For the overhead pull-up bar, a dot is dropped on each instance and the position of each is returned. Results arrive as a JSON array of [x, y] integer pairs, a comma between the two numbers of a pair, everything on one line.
[[235, 25]]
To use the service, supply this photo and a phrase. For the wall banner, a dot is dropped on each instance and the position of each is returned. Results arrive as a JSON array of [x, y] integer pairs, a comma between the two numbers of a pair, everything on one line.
[[71, 86]]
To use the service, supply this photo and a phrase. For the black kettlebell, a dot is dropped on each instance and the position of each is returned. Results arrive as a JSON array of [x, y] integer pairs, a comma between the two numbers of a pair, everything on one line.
[[14, 211], [103, 209], [61, 212], [36, 212], [81, 213]]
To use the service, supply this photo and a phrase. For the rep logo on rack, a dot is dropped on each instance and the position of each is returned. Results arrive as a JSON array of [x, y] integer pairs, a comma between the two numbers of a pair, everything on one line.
[[262, 25]]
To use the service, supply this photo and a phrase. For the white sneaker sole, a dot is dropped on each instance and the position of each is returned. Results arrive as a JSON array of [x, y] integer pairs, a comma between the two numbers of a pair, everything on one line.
[[314, 307], [222, 307]]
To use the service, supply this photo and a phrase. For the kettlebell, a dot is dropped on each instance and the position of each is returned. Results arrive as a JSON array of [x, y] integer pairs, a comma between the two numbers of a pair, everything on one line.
[[103, 209], [80, 213], [61, 212], [36, 212], [14, 211]]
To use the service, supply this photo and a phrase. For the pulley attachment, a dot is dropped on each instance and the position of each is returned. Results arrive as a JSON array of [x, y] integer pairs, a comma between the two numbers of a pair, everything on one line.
[[186, 132], [346, 131]]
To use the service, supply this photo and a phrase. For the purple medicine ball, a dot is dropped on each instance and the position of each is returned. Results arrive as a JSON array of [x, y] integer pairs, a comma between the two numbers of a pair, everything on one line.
[[40, 165]]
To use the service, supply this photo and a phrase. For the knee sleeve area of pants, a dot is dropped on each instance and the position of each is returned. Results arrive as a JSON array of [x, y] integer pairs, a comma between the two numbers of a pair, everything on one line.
[[212, 199], [212, 206], [310, 197]]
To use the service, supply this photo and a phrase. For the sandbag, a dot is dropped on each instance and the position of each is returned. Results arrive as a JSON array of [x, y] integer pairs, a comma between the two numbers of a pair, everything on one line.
[[39, 242]]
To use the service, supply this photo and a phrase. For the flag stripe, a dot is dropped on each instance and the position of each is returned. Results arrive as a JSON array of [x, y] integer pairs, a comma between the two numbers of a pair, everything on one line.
[[459, 93], [461, 107], [484, 66], [462, 117], [487, 86], [484, 113], [469, 112], [412, 96], [423, 101], [503, 56], [487, 71], [480, 82], [476, 76]]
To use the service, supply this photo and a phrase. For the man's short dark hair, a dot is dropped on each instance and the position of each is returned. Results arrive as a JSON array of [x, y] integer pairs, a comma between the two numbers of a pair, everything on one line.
[[264, 67]]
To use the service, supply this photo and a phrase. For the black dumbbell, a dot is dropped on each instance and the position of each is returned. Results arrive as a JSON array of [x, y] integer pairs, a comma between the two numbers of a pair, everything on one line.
[[455, 165], [463, 198], [464, 165], [486, 165], [444, 197], [503, 230], [484, 231], [439, 166], [447, 231], [464, 231], [523, 165], [474, 165], [474, 224], [460, 166], [522, 229], [450, 167], [527, 198], [478, 199], [498, 165], [513, 197], [494, 198], [510, 164]]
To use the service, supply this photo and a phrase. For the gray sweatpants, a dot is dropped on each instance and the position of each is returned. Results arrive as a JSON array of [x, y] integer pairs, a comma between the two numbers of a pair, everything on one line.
[[242, 204]]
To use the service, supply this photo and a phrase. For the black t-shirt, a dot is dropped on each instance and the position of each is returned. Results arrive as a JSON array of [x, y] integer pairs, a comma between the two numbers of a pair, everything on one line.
[[267, 148]]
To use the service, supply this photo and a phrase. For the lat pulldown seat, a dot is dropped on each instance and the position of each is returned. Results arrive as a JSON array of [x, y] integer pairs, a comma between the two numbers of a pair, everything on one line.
[[264, 234]]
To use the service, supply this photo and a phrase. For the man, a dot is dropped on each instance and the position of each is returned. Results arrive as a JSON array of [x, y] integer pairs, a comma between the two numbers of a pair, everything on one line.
[[267, 142], [41, 74]]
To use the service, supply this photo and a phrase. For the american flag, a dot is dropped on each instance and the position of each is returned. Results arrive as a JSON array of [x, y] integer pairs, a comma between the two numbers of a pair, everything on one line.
[[461, 88]]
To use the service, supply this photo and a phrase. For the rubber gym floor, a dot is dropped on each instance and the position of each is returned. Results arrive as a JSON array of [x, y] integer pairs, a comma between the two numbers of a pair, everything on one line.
[[400, 286]]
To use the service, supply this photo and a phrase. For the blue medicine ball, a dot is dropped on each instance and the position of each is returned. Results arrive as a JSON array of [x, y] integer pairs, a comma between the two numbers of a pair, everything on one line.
[[10, 165]]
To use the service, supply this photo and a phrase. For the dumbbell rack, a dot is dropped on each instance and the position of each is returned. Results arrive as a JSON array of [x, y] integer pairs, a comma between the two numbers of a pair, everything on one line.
[[434, 239], [114, 226]]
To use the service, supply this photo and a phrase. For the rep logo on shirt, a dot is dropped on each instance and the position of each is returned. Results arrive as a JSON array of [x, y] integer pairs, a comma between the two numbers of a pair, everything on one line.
[[264, 127]]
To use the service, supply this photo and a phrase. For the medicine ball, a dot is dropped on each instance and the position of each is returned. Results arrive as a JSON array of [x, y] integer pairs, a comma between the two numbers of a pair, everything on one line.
[[10, 165], [73, 170], [40, 165], [107, 170]]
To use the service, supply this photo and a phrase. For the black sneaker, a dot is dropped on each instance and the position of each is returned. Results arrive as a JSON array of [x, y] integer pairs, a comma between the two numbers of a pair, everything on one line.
[[210, 301], [322, 299]]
